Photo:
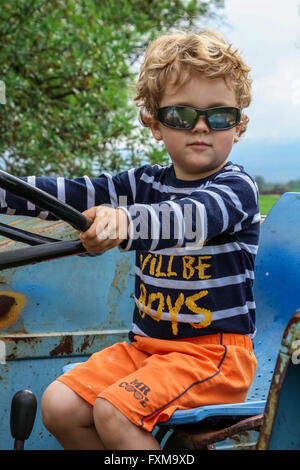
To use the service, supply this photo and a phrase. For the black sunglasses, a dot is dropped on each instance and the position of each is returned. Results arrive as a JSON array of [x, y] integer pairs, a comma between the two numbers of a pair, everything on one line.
[[185, 117]]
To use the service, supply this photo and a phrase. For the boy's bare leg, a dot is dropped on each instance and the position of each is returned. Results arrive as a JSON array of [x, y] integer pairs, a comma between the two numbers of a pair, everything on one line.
[[117, 432], [69, 418]]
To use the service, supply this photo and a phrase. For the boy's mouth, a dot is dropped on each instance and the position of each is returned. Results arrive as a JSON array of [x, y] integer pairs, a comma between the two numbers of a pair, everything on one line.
[[199, 144]]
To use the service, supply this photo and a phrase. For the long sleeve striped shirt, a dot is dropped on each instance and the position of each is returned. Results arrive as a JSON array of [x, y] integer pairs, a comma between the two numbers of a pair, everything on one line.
[[195, 244]]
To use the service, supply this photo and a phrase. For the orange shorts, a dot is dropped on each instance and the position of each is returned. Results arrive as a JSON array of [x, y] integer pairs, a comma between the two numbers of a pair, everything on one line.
[[150, 378]]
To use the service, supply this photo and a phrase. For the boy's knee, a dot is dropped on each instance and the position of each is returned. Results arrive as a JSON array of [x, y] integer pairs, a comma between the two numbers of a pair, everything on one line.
[[107, 414], [56, 408]]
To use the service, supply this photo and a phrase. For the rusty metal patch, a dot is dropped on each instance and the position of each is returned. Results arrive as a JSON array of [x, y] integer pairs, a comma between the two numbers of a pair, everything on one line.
[[11, 305], [64, 347]]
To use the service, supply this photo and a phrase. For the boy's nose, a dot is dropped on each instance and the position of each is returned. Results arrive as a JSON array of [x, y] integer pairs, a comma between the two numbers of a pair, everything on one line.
[[201, 125]]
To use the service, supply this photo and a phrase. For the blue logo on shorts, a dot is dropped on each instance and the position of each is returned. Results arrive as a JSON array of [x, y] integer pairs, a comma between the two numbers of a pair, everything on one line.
[[139, 390]]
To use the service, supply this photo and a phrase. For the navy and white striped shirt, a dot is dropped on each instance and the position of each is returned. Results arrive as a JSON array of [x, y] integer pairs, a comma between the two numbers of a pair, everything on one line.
[[195, 244]]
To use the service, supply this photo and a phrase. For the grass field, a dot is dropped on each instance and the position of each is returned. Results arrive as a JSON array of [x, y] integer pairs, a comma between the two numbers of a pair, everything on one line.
[[266, 202]]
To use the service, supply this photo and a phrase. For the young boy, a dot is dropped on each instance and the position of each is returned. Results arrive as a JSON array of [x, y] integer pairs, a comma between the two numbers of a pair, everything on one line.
[[194, 226]]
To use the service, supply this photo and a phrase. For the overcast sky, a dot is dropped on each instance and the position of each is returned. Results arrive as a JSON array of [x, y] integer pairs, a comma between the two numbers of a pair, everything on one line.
[[267, 33]]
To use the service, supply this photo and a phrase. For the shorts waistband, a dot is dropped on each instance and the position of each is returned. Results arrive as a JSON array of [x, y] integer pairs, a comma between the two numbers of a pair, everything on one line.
[[228, 339]]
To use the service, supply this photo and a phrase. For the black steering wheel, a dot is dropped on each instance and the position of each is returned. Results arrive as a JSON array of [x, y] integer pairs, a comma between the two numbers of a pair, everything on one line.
[[43, 248]]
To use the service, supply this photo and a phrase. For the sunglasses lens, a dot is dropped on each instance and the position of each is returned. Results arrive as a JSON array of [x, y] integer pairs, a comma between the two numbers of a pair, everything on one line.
[[223, 118], [184, 117], [177, 117]]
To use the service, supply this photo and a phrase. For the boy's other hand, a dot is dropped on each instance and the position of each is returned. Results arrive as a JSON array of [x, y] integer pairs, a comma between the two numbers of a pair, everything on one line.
[[109, 228]]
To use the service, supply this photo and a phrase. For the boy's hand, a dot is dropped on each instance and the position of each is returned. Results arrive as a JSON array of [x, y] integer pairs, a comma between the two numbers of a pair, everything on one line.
[[109, 228]]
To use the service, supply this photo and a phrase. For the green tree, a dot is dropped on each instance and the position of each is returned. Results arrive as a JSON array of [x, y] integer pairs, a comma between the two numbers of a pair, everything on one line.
[[260, 183], [68, 67]]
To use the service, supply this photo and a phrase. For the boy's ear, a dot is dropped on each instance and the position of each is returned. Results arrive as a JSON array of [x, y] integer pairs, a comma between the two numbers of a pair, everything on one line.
[[155, 129], [237, 134], [240, 128]]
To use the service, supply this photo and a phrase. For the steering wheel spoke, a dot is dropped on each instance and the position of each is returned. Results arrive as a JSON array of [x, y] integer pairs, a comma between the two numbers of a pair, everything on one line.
[[43, 248]]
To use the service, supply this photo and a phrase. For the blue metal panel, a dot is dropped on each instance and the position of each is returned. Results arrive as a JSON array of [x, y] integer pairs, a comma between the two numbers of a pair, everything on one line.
[[72, 294], [73, 307], [276, 286], [34, 375], [33, 363]]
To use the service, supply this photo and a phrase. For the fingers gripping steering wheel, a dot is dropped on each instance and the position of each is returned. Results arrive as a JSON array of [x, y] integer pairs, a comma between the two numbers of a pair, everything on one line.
[[43, 248]]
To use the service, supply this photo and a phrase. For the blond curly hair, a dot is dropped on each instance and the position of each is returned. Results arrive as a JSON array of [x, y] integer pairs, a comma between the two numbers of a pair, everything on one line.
[[183, 54]]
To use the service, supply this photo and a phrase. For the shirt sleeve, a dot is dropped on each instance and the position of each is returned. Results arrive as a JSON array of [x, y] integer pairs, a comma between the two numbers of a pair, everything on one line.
[[80, 193], [228, 205]]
